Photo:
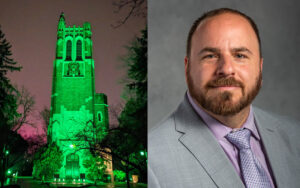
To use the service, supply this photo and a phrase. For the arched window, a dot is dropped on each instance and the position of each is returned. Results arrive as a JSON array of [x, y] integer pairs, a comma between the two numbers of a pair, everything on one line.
[[79, 50], [69, 50], [99, 116]]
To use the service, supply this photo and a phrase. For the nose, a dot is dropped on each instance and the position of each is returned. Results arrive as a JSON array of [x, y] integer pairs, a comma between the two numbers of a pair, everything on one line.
[[225, 67]]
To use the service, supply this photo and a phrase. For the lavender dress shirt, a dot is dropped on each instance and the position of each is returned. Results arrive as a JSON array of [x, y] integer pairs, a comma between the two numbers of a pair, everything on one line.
[[220, 131]]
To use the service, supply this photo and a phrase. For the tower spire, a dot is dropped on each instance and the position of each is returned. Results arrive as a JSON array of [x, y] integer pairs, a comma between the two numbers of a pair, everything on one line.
[[62, 16], [61, 22]]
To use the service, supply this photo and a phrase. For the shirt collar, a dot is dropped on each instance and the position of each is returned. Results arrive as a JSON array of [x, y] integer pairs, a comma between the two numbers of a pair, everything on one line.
[[218, 129]]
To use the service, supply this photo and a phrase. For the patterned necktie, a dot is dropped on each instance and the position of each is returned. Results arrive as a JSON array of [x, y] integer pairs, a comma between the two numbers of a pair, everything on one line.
[[252, 171]]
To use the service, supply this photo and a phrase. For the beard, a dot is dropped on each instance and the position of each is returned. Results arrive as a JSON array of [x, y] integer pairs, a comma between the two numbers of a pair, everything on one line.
[[221, 103]]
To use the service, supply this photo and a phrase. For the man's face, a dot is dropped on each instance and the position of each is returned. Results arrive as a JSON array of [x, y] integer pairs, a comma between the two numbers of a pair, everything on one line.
[[223, 71]]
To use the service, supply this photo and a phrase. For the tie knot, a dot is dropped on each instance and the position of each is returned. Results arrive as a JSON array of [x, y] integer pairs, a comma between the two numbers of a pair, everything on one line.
[[240, 138]]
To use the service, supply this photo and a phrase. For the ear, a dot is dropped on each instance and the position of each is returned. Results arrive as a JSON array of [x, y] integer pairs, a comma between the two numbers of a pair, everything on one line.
[[186, 64], [261, 68]]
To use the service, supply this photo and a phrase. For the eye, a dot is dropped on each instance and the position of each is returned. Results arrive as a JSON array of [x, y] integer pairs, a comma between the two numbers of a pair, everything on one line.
[[210, 56], [241, 56]]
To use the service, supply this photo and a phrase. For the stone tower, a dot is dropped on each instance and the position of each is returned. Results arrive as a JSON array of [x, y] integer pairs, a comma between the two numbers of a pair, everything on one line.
[[75, 107]]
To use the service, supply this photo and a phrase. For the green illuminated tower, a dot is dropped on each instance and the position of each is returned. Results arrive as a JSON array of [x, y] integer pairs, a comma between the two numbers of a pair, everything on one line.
[[77, 112]]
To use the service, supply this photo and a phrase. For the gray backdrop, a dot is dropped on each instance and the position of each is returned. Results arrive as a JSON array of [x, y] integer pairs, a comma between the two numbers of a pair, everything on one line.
[[279, 25]]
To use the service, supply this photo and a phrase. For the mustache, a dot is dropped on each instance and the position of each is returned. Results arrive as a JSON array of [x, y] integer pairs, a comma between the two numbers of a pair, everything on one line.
[[223, 81]]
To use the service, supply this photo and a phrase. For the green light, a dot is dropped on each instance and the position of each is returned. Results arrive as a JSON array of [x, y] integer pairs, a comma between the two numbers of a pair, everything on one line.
[[9, 172], [73, 98], [142, 153], [6, 152]]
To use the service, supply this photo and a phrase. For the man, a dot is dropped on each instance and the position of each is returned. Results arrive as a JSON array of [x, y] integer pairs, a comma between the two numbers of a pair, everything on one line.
[[216, 138]]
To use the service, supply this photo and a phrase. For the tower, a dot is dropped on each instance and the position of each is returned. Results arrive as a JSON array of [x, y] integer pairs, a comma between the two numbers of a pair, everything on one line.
[[75, 107]]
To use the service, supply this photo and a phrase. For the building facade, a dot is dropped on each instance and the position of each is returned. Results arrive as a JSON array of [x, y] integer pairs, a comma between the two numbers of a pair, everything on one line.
[[79, 115]]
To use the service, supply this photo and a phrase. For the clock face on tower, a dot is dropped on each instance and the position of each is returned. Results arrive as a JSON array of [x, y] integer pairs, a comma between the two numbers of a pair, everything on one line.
[[73, 69]]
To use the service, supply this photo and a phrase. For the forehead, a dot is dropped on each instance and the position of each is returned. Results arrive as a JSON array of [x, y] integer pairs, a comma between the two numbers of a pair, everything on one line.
[[225, 29]]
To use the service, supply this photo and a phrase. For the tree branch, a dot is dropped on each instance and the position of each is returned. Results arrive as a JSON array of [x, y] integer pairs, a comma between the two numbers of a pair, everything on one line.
[[137, 8]]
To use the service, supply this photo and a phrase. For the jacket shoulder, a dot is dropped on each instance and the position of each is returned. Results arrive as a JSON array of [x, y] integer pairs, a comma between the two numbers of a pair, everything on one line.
[[288, 122], [287, 126]]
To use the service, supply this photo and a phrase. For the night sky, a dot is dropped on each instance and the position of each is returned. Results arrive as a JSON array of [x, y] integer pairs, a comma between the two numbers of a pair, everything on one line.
[[31, 25]]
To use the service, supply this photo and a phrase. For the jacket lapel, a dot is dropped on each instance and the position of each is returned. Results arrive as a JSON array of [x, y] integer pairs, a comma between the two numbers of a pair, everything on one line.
[[275, 146], [201, 143]]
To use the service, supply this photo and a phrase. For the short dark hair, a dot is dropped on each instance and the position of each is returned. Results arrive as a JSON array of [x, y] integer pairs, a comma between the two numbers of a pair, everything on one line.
[[216, 12]]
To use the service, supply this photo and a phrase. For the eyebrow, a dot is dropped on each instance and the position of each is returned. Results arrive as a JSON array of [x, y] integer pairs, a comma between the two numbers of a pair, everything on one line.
[[209, 49], [241, 49], [217, 50]]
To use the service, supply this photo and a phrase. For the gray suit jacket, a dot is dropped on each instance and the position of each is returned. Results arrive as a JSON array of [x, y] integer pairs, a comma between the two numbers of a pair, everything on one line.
[[184, 153]]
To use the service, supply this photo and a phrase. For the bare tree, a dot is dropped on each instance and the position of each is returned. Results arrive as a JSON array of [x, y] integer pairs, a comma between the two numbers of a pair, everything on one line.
[[35, 142], [114, 111], [25, 102], [120, 146], [45, 116], [135, 8]]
